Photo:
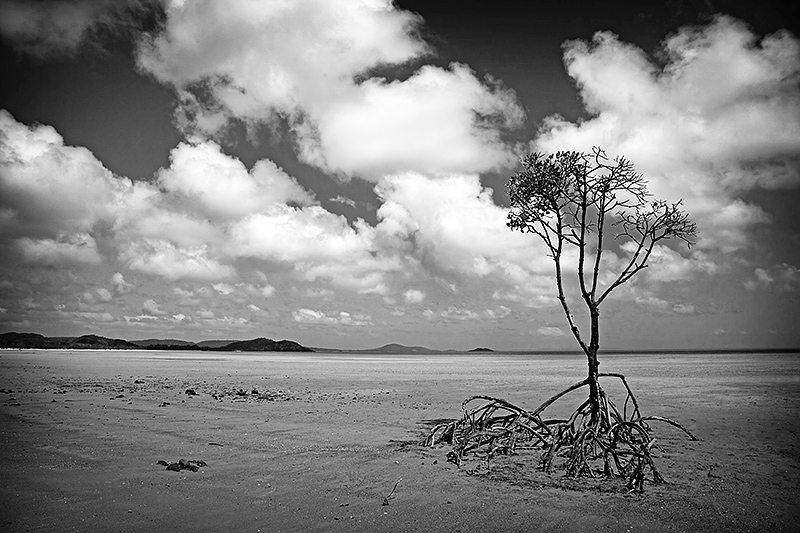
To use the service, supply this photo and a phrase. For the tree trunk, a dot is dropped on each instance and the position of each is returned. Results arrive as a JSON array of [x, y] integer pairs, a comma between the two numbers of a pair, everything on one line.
[[594, 364]]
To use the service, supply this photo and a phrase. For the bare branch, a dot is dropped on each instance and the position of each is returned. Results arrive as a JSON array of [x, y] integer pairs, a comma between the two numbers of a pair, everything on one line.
[[572, 199]]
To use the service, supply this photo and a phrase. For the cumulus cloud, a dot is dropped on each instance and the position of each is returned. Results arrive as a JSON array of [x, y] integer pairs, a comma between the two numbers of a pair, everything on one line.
[[87, 316], [317, 244], [702, 127], [206, 210], [99, 295], [452, 224], [428, 122], [310, 316], [164, 259], [48, 188], [551, 331], [67, 248], [310, 62], [413, 296], [783, 278], [265, 291], [223, 288], [455, 314], [120, 285], [259, 56], [222, 187], [151, 308], [104, 295]]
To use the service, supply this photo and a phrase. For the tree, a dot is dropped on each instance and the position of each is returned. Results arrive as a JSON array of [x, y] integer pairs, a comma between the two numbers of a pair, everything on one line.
[[586, 204], [571, 199]]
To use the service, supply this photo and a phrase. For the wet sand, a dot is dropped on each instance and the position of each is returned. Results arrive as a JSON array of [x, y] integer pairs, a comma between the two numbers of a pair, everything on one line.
[[315, 442]]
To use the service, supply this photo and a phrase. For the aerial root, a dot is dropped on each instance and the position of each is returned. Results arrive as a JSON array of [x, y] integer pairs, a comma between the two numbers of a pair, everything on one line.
[[597, 439]]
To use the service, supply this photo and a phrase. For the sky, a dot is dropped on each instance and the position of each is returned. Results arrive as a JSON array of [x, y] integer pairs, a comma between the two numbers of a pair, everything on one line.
[[333, 171]]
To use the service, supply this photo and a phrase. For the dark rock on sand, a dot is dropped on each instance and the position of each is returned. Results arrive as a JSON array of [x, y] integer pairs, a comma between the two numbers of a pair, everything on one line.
[[183, 464]]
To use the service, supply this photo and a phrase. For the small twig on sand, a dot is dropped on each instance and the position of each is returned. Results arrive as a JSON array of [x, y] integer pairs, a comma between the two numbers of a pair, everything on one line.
[[386, 499]]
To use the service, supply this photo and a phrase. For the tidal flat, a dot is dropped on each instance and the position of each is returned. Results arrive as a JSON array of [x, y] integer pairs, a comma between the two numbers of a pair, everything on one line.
[[317, 441]]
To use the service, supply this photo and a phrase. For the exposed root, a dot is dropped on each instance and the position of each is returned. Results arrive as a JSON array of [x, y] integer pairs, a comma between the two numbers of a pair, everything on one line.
[[594, 440]]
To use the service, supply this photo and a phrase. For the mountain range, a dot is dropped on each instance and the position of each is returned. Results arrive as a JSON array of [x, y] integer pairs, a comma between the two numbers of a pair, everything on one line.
[[260, 344], [95, 342]]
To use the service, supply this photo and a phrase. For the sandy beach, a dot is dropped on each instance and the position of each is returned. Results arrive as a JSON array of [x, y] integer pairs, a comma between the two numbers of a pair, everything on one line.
[[316, 442]]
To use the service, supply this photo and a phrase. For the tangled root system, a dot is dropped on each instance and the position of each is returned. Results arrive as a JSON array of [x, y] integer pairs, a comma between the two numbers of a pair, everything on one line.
[[597, 439]]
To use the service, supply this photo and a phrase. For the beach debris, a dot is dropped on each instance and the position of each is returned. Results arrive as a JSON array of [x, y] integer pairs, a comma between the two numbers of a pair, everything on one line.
[[386, 499], [216, 444], [183, 464], [617, 443], [191, 392], [241, 395], [163, 404]]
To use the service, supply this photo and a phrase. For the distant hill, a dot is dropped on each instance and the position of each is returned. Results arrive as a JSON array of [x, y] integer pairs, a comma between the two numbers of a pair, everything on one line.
[[95, 342], [214, 344], [90, 342], [481, 350], [85, 342], [262, 344], [398, 348], [27, 340], [145, 343]]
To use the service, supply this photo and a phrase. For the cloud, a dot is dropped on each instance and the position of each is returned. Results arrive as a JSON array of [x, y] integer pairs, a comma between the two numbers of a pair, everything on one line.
[[265, 291], [120, 285], [551, 331], [702, 127], [221, 187], [429, 122], [161, 258], [48, 189], [667, 265], [310, 316], [60, 199], [67, 248], [58, 27], [262, 56], [87, 316], [783, 278], [182, 228], [223, 288], [313, 63], [104, 295], [151, 308], [344, 200], [413, 296], [684, 309], [452, 224], [315, 244]]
